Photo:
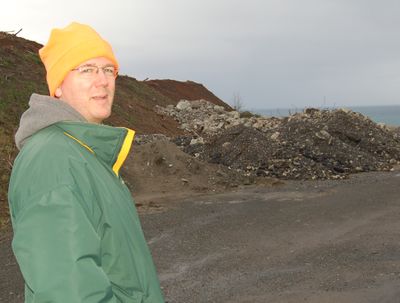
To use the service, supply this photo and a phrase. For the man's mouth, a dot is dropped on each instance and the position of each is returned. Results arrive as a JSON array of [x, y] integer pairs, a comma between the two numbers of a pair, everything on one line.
[[100, 97]]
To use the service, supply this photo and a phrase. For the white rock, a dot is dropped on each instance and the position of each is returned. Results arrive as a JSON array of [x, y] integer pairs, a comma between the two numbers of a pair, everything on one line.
[[218, 108], [226, 144], [258, 125], [183, 105], [234, 114], [275, 135], [198, 140], [346, 110]]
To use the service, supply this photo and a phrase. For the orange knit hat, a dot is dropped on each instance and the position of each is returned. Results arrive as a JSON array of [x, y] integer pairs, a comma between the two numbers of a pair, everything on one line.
[[69, 47]]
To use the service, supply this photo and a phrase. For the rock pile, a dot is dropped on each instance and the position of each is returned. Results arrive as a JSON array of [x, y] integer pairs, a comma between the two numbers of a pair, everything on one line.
[[315, 144], [203, 118]]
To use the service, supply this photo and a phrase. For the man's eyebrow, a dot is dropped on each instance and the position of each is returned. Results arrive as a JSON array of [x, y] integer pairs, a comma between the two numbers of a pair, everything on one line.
[[94, 65], [88, 64]]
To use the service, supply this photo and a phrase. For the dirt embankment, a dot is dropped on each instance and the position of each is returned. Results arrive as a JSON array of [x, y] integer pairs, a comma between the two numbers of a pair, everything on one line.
[[188, 90]]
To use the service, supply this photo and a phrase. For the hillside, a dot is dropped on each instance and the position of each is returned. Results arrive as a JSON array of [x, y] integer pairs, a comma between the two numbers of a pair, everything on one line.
[[188, 90], [21, 73]]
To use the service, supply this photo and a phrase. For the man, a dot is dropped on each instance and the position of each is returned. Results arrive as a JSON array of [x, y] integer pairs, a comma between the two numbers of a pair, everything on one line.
[[77, 235]]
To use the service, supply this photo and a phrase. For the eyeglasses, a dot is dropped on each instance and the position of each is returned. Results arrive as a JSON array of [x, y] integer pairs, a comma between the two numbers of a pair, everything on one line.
[[90, 71]]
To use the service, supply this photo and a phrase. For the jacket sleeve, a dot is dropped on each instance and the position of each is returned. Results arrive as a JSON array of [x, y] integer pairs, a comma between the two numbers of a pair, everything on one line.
[[58, 250]]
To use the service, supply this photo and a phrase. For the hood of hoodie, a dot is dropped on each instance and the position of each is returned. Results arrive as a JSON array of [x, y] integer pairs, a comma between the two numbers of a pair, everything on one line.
[[43, 111]]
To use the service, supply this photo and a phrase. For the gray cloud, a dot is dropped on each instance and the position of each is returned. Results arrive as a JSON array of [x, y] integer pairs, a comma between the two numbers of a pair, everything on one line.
[[275, 53]]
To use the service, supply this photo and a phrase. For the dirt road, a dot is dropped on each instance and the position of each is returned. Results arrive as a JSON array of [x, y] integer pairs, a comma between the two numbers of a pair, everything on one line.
[[321, 241]]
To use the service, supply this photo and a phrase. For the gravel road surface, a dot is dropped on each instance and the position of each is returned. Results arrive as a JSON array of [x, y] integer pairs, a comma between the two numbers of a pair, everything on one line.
[[314, 241]]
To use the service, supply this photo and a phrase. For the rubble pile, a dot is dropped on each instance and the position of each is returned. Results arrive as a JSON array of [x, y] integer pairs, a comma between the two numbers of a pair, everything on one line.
[[203, 118], [314, 144]]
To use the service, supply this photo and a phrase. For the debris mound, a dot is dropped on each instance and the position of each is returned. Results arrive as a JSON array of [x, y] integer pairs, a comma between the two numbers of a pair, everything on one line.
[[314, 144], [203, 118]]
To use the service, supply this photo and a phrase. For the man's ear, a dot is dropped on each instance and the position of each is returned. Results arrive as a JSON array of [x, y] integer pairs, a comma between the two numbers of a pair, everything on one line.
[[58, 92]]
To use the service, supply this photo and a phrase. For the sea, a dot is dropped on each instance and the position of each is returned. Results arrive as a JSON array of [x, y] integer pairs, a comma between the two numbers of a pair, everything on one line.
[[387, 114]]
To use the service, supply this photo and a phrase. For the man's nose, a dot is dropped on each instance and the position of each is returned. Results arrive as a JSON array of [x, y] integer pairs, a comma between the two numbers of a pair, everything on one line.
[[101, 78]]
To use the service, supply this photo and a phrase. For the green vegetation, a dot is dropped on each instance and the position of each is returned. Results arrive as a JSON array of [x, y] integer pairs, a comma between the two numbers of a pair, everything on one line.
[[13, 101], [247, 114]]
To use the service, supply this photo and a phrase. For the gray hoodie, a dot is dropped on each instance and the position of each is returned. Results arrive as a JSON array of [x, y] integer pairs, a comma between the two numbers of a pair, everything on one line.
[[43, 111]]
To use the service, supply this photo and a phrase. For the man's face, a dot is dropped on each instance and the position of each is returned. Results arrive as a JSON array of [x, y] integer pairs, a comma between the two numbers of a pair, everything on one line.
[[91, 94]]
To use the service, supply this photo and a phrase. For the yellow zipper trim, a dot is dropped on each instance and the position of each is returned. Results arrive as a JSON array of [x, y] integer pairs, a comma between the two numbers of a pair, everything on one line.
[[126, 146], [80, 142]]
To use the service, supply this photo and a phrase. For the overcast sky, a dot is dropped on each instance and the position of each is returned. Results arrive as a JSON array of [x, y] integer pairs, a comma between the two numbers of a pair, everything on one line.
[[273, 53]]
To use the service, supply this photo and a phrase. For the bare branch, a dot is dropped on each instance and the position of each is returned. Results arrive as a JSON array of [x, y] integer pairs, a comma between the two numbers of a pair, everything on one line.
[[237, 102], [18, 32]]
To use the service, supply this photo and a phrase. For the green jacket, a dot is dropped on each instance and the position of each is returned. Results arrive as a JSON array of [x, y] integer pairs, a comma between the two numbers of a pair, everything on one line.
[[77, 235]]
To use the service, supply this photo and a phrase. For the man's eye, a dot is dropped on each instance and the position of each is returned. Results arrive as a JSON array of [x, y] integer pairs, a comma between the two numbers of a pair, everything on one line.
[[109, 70], [87, 70]]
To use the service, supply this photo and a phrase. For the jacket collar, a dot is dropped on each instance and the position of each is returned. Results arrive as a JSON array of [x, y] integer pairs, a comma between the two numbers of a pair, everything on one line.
[[110, 144], [42, 112]]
